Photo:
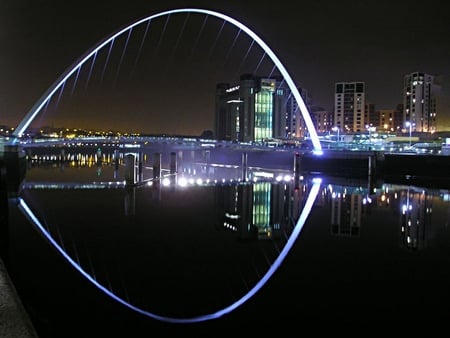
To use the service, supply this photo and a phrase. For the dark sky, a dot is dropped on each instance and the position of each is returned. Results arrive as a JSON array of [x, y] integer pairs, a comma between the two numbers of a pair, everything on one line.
[[319, 43]]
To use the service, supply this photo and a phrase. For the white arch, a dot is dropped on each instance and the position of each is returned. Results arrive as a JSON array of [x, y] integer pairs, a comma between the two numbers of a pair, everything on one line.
[[23, 206], [56, 85]]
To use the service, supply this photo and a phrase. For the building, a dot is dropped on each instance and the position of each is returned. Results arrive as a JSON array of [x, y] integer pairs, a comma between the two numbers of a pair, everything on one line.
[[322, 119], [371, 117], [349, 106], [390, 120], [258, 108], [419, 102]]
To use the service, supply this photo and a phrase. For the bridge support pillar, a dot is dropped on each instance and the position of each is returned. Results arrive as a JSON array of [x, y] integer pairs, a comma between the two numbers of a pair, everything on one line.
[[173, 162], [116, 163], [297, 168], [130, 201], [156, 166], [244, 166], [130, 169], [141, 166]]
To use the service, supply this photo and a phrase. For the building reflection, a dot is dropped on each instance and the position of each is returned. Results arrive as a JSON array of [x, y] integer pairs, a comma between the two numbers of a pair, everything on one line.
[[348, 205], [262, 207], [415, 218], [259, 210]]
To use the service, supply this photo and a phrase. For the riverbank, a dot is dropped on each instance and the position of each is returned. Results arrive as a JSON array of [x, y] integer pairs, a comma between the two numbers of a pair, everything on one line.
[[14, 320]]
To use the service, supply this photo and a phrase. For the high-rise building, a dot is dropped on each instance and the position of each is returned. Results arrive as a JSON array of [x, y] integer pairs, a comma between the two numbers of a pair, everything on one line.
[[349, 106], [253, 110], [419, 102]]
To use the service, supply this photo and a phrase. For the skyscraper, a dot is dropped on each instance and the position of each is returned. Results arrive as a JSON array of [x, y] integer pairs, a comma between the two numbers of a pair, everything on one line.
[[419, 102], [349, 105]]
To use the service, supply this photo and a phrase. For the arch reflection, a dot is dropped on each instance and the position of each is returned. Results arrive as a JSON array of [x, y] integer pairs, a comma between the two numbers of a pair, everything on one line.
[[24, 207]]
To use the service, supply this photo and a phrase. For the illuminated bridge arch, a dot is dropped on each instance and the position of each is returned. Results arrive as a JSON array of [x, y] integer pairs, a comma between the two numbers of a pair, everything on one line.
[[23, 125], [201, 318]]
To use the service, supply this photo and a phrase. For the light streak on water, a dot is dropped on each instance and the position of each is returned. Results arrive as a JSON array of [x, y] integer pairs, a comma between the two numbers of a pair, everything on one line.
[[23, 206]]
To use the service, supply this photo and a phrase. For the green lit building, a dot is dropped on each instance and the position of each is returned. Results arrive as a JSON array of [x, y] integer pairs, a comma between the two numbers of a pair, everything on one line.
[[251, 111]]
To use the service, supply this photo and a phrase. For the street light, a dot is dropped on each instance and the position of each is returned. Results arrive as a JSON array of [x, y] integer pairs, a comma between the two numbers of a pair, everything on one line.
[[410, 125], [370, 129], [336, 129]]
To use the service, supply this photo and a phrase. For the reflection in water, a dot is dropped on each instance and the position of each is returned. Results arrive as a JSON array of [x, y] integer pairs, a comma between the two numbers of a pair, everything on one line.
[[241, 237], [415, 218], [261, 219], [261, 210]]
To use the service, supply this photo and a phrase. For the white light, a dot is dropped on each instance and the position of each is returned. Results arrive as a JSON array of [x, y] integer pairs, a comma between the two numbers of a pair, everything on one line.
[[182, 182], [263, 174], [166, 182]]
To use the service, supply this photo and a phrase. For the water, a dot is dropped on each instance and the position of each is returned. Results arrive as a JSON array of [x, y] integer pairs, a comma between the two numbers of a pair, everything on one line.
[[90, 256]]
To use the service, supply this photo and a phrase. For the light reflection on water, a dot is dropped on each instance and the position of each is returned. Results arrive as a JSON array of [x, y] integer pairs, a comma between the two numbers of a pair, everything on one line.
[[183, 250]]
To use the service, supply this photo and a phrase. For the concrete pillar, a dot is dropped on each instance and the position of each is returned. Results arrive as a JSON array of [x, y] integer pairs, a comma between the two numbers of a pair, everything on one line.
[[179, 161], [99, 156], [297, 169], [140, 167], [130, 201], [62, 155], [116, 163], [156, 165], [130, 169], [207, 156], [244, 166], [173, 162], [297, 166]]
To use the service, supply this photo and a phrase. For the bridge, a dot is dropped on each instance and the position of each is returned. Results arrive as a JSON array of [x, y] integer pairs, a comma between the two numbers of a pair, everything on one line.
[[13, 155]]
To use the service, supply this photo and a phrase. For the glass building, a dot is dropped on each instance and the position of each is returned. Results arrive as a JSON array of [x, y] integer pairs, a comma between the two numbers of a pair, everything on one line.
[[252, 111]]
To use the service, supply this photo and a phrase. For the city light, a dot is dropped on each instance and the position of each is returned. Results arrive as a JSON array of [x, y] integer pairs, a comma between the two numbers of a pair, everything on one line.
[[336, 128], [409, 125], [370, 128]]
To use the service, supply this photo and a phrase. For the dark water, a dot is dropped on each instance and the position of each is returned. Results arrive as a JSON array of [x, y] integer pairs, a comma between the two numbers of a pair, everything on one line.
[[92, 257]]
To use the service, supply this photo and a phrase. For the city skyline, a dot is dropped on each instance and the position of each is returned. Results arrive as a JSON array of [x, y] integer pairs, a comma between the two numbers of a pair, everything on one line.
[[349, 41]]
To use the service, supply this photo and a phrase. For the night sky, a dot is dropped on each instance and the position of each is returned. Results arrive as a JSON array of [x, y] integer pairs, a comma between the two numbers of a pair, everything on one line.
[[319, 43]]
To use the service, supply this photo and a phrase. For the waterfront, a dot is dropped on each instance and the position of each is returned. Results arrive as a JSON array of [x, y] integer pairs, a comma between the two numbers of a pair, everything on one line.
[[198, 242]]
